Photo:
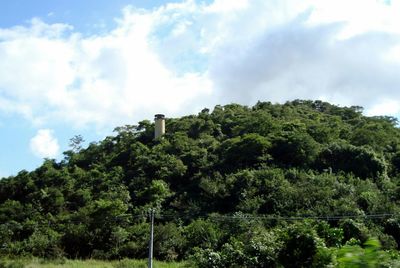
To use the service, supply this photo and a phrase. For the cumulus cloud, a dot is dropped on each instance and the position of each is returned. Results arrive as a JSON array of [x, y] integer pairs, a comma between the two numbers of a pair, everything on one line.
[[44, 144], [49, 72], [302, 57], [183, 56], [299, 61]]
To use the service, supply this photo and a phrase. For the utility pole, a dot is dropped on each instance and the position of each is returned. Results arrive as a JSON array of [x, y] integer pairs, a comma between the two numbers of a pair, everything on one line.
[[150, 264]]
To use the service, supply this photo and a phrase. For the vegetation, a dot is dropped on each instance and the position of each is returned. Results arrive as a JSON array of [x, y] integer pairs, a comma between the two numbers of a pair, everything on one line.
[[62, 263], [300, 184]]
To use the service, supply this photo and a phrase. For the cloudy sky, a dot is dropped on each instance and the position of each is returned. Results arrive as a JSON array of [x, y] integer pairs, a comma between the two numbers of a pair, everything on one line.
[[73, 67]]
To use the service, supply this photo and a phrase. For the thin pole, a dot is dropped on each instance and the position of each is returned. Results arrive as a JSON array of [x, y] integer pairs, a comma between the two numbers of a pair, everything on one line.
[[150, 265]]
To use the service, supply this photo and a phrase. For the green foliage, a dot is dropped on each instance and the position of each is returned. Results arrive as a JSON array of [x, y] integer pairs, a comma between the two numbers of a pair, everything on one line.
[[11, 264], [392, 227], [203, 234], [206, 258], [169, 242], [44, 243], [294, 148], [263, 249], [361, 161], [63, 263], [247, 151], [300, 246], [368, 256], [354, 230], [332, 236], [226, 184]]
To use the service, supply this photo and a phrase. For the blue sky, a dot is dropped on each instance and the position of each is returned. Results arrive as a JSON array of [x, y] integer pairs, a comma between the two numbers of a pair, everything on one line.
[[71, 67], [88, 17], [84, 15]]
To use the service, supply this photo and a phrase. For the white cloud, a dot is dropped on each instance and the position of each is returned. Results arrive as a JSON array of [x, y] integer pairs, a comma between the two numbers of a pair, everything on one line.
[[385, 107], [184, 56], [102, 80], [359, 15], [304, 56], [44, 144]]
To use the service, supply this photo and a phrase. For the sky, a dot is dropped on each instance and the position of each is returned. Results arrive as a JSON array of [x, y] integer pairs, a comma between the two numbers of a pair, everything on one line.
[[72, 67]]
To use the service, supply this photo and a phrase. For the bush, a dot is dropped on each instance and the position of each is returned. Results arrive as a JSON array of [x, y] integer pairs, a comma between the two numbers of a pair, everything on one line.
[[361, 161], [203, 234], [353, 229], [168, 242], [44, 243], [206, 258], [370, 255], [233, 255], [263, 249], [300, 245]]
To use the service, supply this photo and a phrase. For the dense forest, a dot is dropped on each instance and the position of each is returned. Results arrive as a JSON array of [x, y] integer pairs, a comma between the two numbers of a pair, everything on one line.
[[294, 185]]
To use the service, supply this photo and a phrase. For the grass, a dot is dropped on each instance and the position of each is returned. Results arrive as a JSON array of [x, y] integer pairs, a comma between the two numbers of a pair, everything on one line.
[[39, 263]]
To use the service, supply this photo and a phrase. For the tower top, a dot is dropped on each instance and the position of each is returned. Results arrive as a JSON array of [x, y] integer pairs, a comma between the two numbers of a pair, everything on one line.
[[159, 116]]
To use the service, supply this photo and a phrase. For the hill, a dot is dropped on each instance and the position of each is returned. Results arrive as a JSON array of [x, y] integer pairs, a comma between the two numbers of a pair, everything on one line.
[[262, 186]]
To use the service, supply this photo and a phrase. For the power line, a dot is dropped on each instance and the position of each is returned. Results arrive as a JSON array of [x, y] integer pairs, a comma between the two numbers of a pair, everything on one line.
[[232, 217], [275, 217]]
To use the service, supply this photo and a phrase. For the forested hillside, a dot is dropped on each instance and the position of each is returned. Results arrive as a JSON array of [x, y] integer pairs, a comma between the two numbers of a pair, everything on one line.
[[294, 184]]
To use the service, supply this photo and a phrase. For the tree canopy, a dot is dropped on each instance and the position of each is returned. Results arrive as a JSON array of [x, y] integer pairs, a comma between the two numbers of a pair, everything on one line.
[[236, 186]]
